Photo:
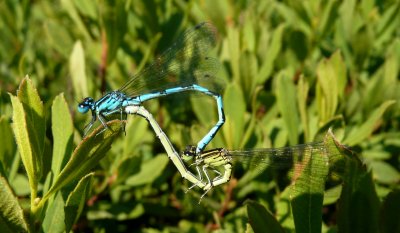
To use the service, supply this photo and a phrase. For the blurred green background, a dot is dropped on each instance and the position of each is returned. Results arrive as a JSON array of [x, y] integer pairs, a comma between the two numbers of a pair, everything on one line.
[[291, 69]]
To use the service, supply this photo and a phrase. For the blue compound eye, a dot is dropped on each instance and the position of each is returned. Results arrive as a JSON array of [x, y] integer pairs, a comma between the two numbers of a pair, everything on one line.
[[85, 105], [82, 108]]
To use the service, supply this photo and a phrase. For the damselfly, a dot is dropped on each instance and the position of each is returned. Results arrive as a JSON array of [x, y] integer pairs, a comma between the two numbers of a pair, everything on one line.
[[312, 162], [169, 148], [182, 67]]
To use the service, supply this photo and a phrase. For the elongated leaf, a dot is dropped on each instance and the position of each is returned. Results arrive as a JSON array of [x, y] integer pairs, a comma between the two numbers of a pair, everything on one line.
[[382, 85], [388, 23], [234, 54], [70, 8], [331, 82], [34, 109], [149, 171], [302, 95], [286, 99], [7, 145], [11, 215], [55, 216], [29, 130], [248, 68], [62, 129], [114, 18], [205, 117], [58, 37], [358, 134], [87, 8], [329, 17], [121, 211], [86, 156], [384, 173], [274, 49], [76, 201], [77, 70], [261, 219], [359, 204], [234, 126], [308, 185], [307, 195], [390, 214], [24, 146]]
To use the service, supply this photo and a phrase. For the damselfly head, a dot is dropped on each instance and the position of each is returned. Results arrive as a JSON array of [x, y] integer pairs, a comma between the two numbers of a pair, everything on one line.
[[189, 152], [85, 105]]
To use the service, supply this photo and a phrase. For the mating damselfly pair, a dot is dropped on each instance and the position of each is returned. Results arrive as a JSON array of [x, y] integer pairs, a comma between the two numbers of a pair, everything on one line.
[[183, 67], [311, 164]]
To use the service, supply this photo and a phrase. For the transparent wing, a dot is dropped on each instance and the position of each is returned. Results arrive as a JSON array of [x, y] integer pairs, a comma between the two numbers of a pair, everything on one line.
[[310, 164], [184, 63]]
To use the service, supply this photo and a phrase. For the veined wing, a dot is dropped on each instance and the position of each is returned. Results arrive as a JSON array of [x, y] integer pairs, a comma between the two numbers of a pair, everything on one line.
[[184, 63], [314, 162]]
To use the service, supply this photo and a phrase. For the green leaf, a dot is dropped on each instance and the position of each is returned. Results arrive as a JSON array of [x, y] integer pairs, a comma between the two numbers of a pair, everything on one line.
[[118, 211], [55, 216], [71, 9], [261, 219], [205, 117], [149, 171], [114, 18], [7, 145], [331, 82], [11, 214], [127, 167], [286, 99], [302, 96], [86, 156], [347, 17], [359, 204], [135, 140], [248, 68], [384, 173], [58, 38], [329, 17], [29, 131], [307, 193], [87, 8], [234, 51], [292, 18], [62, 129], [77, 70], [382, 85], [360, 133], [310, 173], [20, 185], [273, 51], [76, 201], [34, 110], [387, 25], [390, 214], [234, 108]]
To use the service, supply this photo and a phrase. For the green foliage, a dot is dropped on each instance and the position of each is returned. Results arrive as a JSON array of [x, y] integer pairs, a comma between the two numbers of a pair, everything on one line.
[[292, 70], [12, 219]]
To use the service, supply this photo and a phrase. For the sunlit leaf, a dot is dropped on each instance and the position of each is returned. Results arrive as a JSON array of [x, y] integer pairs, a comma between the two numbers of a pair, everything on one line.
[[62, 129], [11, 215], [86, 156], [77, 69]]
